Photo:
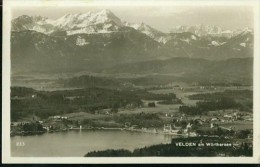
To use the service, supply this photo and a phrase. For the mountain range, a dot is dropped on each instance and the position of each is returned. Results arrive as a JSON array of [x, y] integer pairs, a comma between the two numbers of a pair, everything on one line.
[[100, 40], [205, 30]]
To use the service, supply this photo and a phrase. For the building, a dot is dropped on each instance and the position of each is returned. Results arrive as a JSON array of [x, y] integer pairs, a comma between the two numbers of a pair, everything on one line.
[[169, 130]]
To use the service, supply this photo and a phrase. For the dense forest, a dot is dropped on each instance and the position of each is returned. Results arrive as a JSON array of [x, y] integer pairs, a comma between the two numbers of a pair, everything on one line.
[[27, 101], [87, 81], [236, 94], [241, 99], [202, 107], [44, 104], [126, 82]]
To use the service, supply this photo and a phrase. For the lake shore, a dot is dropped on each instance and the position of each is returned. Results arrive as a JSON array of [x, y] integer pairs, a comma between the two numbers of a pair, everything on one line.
[[153, 131]]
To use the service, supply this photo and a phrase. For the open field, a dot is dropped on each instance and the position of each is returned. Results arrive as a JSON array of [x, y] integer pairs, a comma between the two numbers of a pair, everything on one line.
[[158, 109], [238, 125], [85, 115], [184, 92]]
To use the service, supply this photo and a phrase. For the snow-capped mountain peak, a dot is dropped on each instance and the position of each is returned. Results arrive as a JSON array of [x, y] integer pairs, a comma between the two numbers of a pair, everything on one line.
[[78, 20], [105, 21], [89, 22], [247, 30], [105, 12], [203, 30], [149, 31]]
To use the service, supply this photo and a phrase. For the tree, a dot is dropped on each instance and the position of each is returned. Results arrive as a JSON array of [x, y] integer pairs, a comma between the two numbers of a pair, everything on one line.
[[151, 104]]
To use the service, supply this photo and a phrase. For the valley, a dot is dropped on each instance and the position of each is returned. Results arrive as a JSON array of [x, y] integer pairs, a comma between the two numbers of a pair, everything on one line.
[[95, 74]]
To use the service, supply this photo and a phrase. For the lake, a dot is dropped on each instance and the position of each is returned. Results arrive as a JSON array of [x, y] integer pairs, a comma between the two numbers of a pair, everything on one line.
[[76, 143]]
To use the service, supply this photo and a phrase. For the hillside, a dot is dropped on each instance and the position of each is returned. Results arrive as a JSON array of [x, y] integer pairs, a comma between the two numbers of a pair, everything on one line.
[[97, 41], [190, 69]]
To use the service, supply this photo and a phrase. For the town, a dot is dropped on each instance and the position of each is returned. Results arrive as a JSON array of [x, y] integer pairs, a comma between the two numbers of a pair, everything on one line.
[[173, 111], [184, 125]]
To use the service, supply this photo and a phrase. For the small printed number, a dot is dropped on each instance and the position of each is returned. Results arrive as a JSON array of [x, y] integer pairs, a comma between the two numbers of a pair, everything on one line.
[[20, 144]]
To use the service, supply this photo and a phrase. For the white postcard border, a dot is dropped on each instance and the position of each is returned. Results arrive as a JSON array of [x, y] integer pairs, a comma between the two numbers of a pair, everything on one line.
[[6, 156]]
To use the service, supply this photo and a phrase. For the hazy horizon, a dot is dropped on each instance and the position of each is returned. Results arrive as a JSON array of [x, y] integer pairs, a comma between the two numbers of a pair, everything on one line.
[[161, 18]]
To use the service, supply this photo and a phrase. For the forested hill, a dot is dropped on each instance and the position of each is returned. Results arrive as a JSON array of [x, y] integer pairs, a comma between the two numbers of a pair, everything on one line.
[[26, 101], [236, 69]]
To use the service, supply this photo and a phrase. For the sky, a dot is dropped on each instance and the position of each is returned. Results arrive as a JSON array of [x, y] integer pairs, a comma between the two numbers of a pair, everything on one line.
[[162, 18]]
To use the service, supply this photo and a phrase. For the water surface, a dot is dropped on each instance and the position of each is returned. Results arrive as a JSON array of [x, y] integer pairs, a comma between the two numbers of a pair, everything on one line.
[[77, 143]]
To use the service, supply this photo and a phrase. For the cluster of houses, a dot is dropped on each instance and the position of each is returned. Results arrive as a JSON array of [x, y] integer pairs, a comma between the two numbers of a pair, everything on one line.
[[196, 86], [57, 117], [51, 123], [178, 130], [55, 122], [231, 117], [203, 122]]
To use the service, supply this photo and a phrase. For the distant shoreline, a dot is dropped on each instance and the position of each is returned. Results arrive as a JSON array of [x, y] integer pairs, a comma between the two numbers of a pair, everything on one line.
[[31, 133]]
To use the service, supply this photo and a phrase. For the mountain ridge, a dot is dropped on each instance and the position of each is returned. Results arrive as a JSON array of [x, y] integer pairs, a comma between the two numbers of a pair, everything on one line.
[[205, 30], [90, 41], [105, 21]]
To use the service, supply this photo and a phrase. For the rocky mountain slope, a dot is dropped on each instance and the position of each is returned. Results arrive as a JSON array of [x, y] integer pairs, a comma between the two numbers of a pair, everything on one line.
[[205, 30], [98, 41]]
